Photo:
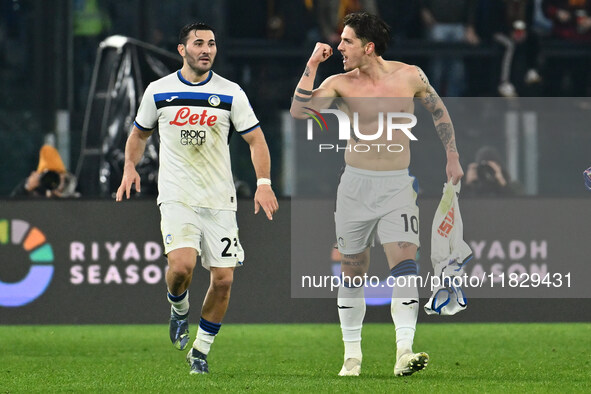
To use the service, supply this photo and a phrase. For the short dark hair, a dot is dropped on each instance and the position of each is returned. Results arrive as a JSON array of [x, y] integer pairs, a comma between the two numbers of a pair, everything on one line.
[[369, 28], [184, 33]]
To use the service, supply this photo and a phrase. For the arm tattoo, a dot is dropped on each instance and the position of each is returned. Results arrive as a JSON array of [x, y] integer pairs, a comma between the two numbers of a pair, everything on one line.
[[445, 132], [403, 245], [433, 104], [304, 91], [302, 99], [307, 72], [430, 102], [437, 114], [423, 76]]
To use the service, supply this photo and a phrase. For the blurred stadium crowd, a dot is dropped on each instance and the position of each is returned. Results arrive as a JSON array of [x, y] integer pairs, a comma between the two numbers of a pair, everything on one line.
[[468, 48]]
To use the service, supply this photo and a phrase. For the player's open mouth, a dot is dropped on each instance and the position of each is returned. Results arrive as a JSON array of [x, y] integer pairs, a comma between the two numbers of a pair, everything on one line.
[[204, 59]]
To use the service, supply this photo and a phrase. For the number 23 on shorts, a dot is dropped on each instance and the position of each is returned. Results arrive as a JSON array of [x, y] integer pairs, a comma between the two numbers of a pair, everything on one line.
[[230, 247]]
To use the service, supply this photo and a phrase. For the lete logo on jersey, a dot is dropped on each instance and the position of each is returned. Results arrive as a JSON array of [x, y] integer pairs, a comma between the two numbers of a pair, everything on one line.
[[184, 116]]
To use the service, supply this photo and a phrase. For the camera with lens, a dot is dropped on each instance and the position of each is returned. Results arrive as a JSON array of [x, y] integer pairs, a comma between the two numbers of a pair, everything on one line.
[[486, 174], [49, 180]]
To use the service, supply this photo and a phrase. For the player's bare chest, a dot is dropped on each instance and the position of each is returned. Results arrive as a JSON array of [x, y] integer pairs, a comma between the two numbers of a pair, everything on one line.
[[391, 87]]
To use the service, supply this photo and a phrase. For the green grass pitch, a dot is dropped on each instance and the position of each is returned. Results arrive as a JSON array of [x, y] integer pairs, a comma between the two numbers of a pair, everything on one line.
[[296, 358]]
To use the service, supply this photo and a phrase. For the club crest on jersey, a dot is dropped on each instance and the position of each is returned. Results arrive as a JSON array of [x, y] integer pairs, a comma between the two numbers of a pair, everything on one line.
[[214, 100]]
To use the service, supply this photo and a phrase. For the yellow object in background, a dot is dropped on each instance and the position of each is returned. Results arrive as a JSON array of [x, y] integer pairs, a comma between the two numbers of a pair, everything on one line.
[[50, 160]]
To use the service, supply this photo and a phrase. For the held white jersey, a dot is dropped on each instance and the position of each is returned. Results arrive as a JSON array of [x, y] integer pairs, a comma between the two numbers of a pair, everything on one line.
[[194, 125]]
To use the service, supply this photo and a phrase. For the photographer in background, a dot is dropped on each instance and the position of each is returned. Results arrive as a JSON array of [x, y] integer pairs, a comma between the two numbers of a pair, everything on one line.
[[487, 177], [51, 179]]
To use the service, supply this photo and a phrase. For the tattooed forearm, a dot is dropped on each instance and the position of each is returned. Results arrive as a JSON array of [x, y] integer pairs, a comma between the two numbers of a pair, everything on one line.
[[437, 114], [302, 99], [307, 72], [445, 132], [403, 245]]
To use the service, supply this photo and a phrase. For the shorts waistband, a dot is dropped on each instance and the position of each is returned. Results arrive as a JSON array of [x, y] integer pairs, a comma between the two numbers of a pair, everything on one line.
[[375, 174]]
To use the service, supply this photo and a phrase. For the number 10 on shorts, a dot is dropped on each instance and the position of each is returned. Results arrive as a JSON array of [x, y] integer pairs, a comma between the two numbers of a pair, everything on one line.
[[414, 223]]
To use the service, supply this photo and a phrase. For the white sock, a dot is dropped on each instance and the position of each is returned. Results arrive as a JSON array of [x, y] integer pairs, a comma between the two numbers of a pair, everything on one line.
[[180, 303], [405, 306], [351, 304], [205, 335], [203, 341]]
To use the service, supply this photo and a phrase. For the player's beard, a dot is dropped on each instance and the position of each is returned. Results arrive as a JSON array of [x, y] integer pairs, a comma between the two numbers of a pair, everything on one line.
[[197, 67]]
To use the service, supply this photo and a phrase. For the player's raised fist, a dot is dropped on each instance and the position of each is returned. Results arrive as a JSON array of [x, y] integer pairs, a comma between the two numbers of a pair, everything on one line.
[[321, 52]]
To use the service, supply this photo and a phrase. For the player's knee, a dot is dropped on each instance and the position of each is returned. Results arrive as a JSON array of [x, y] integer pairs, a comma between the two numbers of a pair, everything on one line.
[[222, 285], [221, 282], [180, 270]]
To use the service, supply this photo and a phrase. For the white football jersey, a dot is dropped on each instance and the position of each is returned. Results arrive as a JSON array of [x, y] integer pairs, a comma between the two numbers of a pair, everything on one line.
[[193, 121]]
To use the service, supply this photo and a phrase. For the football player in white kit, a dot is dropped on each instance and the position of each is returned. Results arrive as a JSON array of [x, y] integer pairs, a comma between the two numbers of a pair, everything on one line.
[[193, 108]]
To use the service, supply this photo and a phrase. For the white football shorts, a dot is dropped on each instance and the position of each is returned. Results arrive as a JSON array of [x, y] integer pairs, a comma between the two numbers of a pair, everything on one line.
[[212, 232], [375, 202]]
